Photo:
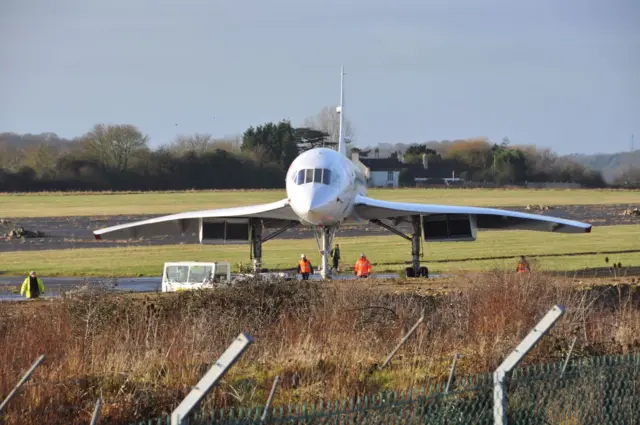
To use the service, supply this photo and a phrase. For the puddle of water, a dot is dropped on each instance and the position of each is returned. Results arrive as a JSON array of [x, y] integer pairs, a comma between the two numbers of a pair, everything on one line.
[[55, 286]]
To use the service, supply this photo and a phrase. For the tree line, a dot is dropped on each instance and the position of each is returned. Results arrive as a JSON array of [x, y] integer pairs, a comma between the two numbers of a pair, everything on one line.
[[478, 160], [117, 157]]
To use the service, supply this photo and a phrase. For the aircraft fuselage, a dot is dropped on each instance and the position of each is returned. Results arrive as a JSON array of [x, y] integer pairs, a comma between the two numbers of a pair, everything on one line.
[[322, 185]]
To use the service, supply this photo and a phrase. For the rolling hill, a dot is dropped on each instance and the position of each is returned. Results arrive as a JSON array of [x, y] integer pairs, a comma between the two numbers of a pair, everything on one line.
[[608, 164]]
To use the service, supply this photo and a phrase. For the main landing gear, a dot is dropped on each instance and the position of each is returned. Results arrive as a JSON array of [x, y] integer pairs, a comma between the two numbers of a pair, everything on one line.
[[257, 240], [324, 239], [415, 270]]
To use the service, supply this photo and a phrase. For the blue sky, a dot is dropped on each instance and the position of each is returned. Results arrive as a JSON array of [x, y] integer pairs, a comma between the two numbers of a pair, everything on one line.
[[563, 74]]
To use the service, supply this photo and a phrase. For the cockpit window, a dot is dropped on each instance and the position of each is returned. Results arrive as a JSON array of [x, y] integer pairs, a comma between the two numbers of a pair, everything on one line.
[[326, 176], [313, 175]]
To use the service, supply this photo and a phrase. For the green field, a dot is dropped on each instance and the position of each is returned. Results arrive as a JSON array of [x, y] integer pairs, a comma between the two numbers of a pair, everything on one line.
[[94, 204], [386, 252]]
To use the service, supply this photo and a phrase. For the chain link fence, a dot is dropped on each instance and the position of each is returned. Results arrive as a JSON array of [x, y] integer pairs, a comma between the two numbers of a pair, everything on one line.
[[597, 390]]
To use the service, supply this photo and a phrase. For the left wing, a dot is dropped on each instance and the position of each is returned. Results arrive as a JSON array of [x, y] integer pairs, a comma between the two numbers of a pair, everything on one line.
[[193, 221], [484, 218]]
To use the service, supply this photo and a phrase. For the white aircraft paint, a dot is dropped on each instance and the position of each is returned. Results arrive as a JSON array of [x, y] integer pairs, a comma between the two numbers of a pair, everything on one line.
[[324, 202]]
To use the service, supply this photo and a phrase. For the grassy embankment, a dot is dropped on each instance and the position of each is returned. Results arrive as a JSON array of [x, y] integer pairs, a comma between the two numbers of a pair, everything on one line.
[[113, 203], [141, 355], [388, 253]]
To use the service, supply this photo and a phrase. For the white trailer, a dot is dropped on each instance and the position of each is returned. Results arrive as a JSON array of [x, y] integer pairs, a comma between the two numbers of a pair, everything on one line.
[[186, 275]]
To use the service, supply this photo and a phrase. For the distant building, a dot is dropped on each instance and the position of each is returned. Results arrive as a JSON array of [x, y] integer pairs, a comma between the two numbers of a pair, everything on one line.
[[385, 172], [380, 172]]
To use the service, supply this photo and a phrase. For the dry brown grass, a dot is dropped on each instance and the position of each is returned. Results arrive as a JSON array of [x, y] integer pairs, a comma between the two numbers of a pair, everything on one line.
[[141, 353]]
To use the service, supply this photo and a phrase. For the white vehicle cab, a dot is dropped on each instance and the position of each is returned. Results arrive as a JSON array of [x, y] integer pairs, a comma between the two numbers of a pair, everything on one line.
[[187, 275]]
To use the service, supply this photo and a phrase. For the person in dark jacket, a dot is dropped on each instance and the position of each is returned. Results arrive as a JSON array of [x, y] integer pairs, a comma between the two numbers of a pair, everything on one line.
[[32, 286], [335, 254]]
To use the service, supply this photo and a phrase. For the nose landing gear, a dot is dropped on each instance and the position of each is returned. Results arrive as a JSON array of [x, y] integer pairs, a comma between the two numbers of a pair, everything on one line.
[[324, 239]]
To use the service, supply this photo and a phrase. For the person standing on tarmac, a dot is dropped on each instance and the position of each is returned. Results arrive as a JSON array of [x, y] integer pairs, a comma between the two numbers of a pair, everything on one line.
[[363, 267], [335, 254], [523, 265], [304, 267], [32, 286]]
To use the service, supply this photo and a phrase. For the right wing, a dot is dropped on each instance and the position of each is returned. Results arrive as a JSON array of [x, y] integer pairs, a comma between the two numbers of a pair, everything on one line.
[[486, 218], [189, 222]]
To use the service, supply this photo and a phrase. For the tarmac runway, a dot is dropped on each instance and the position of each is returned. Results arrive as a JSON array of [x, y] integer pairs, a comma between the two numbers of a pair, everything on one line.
[[76, 232], [55, 286]]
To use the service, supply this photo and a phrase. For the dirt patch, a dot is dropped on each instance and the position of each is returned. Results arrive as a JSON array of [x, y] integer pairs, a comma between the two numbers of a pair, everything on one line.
[[12, 231]]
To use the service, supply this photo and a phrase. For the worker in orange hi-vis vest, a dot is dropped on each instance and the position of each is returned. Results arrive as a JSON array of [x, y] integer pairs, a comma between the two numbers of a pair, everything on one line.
[[304, 267], [523, 265], [363, 266]]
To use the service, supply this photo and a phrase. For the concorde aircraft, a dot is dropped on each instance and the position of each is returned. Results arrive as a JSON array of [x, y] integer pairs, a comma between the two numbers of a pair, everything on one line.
[[324, 190]]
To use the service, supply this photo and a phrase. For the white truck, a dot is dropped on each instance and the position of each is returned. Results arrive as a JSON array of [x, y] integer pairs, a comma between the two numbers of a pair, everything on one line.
[[187, 275]]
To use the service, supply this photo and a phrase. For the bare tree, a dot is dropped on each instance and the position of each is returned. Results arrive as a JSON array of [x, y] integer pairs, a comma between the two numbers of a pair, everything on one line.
[[200, 143], [42, 159], [11, 157], [196, 143], [328, 121], [114, 145], [260, 155], [629, 177], [229, 144]]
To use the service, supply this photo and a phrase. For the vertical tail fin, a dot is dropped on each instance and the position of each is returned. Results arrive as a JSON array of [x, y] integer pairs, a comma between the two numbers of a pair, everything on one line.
[[342, 147]]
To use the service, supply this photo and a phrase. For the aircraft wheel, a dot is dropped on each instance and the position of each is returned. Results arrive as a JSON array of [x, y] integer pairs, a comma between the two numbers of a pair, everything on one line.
[[424, 272], [410, 272]]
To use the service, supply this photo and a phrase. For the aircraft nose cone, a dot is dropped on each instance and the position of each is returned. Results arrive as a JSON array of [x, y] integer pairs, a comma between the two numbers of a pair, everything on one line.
[[303, 204], [317, 205], [313, 207]]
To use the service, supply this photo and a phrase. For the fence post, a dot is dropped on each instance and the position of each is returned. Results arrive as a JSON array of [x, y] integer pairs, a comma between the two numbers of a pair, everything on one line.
[[404, 339], [21, 382], [96, 412], [452, 372], [566, 361], [213, 375], [500, 398], [270, 399]]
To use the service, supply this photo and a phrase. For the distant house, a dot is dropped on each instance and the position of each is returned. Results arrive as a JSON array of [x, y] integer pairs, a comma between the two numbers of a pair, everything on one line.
[[380, 172], [385, 172]]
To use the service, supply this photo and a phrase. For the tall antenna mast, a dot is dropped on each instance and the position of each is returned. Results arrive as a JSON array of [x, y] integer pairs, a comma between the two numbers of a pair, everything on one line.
[[340, 109]]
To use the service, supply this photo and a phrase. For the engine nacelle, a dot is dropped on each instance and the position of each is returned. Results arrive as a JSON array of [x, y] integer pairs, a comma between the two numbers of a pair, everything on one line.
[[218, 231], [449, 227]]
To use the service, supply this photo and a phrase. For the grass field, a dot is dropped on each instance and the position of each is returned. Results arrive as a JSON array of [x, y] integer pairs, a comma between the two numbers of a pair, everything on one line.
[[386, 252], [90, 204]]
